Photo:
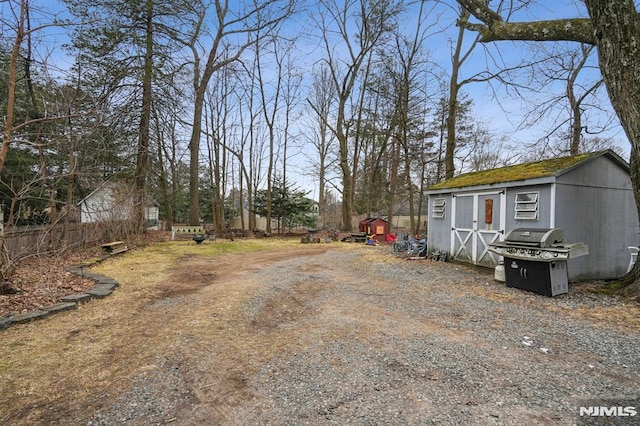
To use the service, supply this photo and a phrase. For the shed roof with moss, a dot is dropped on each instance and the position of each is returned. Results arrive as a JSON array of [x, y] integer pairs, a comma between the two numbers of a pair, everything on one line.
[[521, 172]]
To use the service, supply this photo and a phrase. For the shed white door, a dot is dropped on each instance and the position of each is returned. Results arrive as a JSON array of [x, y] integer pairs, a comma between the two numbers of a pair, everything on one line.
[[478, 220]]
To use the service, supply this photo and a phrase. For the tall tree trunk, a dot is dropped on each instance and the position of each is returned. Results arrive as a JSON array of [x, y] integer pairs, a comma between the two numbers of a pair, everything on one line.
[[71, 181], [7, 131], [194, 161], [164, 186], [576, 129], [347, 181], [142, 162], [393, 179], [452, 113], [407, 181], [442, 117]]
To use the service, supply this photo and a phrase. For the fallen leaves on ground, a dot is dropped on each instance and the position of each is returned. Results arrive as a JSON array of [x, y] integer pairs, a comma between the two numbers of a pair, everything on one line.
[[40, 281]]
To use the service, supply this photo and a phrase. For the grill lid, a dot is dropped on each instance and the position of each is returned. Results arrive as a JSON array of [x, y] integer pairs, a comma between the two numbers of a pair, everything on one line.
[[535, 237]]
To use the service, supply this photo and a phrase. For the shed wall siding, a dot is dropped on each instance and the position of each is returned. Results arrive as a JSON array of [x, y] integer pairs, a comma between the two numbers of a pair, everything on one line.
[[593, 203], [603, 218], [99, 207], [103, 206], [544, 208], [439, 229], [596, 205], [600, 172]]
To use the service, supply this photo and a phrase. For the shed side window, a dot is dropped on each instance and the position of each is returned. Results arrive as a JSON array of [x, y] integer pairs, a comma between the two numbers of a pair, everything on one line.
[[437, 208], [526, 206]]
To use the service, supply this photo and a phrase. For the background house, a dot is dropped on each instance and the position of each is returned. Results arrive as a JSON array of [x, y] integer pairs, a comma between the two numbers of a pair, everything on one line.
[[589, 196], [114, 201]]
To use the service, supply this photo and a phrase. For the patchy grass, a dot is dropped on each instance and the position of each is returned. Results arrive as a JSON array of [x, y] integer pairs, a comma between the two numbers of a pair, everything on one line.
[[84, 355], [218, 247], [40, 281], [183, 306]]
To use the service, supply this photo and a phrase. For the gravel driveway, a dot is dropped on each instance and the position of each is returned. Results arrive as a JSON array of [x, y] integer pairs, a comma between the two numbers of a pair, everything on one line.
[[364, 338]]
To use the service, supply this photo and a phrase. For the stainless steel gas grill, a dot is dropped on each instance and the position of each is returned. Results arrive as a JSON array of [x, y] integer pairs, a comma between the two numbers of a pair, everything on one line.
[[535, 259]]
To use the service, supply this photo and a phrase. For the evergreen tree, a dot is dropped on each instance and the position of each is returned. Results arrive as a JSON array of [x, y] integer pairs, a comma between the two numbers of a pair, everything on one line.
[[289, 206], [126, 47]]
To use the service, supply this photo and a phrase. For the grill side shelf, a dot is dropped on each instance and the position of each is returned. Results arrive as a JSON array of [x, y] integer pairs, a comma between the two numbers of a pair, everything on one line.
[[541, 254]]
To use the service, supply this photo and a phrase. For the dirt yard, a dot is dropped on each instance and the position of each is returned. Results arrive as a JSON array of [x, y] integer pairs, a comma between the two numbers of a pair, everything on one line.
[[289, 333]]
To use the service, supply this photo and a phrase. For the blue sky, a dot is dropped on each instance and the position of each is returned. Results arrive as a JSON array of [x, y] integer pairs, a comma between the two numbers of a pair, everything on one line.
[[505, 118], [501, 117]]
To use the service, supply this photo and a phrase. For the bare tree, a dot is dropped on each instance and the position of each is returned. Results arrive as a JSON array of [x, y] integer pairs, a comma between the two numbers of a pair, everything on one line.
[[219, 104], [237, 26], [142, 157], [458, 58], [566, 66], [409, 108], [292, 86], [359, 26], [242, 138], [34, 113], [270, 98], [483, 150], [320, 100], [613, 26], [457, 106], [22, 33]]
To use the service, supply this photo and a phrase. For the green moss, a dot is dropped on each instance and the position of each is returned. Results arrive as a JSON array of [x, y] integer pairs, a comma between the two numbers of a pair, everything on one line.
[[519, 172], [612, 288]]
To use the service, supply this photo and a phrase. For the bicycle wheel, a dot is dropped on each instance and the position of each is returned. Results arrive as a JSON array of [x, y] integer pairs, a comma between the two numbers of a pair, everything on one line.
[[396, 248]]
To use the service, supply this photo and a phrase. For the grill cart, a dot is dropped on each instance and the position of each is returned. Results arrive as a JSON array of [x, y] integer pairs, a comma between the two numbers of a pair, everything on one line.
[[535, 259]]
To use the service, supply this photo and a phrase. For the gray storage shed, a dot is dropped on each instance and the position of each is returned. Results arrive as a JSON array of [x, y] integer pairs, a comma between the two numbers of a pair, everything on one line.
[[589, 196]]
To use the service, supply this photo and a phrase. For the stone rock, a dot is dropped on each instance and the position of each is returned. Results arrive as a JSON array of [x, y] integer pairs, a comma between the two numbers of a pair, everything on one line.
[[77, 298], [59, 307], [4, 323], [28, 316], [107, 286], [100, 291], [107, 281]]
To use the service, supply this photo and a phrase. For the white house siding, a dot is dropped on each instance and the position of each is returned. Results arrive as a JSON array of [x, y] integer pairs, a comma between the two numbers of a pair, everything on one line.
[[102, 206], [113, 202]]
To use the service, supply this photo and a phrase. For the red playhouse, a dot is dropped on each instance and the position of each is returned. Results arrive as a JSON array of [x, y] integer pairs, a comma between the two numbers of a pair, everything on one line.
[[377, 227]]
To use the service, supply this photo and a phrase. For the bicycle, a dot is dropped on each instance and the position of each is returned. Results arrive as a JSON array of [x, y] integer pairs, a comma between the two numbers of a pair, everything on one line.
[[418, 248], [410, 246]]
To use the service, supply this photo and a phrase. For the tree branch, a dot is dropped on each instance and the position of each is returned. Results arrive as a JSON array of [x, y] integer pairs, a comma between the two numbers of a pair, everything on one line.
[[494, 28], [576, 29]]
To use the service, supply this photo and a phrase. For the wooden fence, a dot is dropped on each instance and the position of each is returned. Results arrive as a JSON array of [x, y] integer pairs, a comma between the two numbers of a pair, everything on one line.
[[24, 241]]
